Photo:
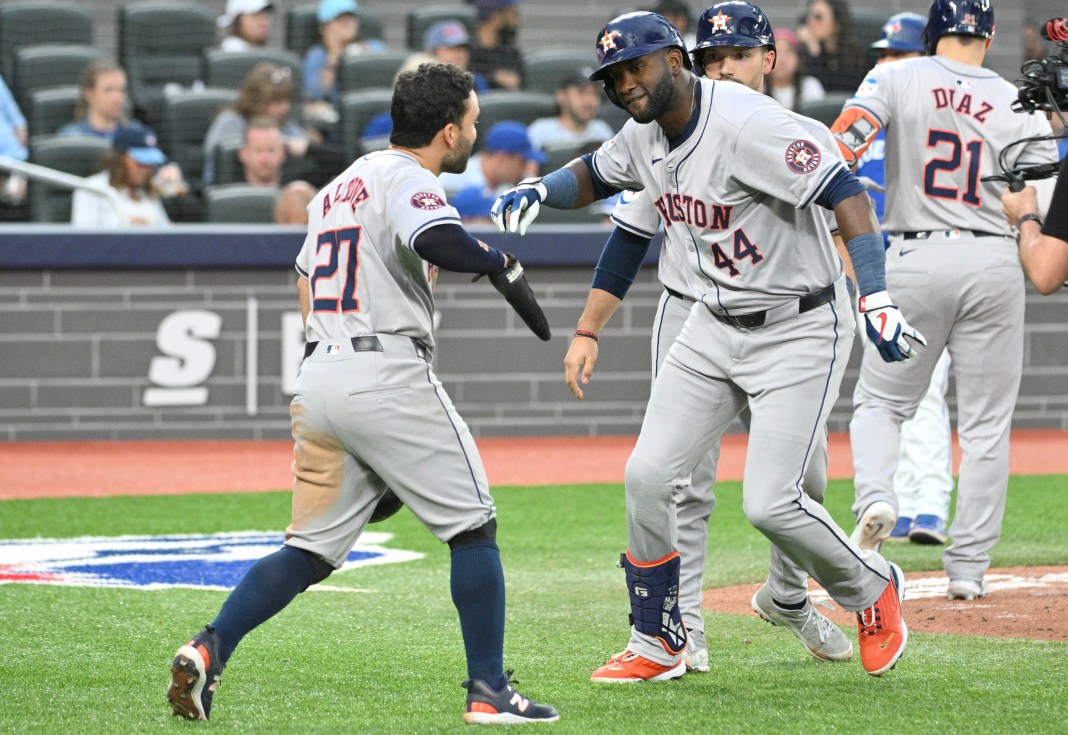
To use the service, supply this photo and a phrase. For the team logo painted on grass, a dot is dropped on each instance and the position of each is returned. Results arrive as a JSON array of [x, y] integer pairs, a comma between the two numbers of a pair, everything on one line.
[[200, 561]]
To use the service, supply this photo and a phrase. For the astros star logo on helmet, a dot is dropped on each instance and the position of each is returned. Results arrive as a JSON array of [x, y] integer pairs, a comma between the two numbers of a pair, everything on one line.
[[719, 21], [608, 40]]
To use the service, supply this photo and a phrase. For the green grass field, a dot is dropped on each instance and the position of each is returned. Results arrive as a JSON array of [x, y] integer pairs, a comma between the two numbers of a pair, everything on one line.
[[96, 660]]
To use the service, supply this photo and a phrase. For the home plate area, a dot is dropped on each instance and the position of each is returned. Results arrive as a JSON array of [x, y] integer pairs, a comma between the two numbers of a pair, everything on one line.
[[1024, 602]]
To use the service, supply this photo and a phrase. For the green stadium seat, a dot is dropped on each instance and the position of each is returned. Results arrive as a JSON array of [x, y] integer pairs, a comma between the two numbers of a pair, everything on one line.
[[78, 155], [302, 28], [50, 109], [186, 117], [422, 18], [44, 67], [162, 42], [357, 109], [37, 23], [526, 107], [559, 154], [235, 203], [373, 70], [544, 70], [228, 69]]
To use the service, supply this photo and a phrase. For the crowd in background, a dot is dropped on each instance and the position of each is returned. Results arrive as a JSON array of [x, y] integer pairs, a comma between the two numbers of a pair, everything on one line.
[[285, 127]]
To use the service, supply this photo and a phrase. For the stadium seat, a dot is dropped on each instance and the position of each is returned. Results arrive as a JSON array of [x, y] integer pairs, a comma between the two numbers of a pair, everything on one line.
[[585, 216], [162, 43], [78, 155], [302, 28], [544, 70], [559, 154], [374, 70], [228, 168], [240, 203], [868, 25], [228, 69], [422, 18], [36, 23], [44, 67], [50, 109], [357, 109], [186, 117], [526, 107], [825, 110]]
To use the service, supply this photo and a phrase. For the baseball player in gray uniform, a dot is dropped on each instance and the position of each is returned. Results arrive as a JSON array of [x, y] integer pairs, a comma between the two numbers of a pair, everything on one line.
[[738, 182], [735, 42], [952, 264], [368, 412]]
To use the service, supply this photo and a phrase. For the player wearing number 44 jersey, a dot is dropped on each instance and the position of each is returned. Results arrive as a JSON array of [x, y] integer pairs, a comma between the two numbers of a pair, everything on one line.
[[741, 185], [952, 266], [368, 413]]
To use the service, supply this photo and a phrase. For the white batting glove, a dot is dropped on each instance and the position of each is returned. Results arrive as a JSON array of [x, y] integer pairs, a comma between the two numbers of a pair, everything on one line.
[[516, 208], [871, 184], [887, 329]]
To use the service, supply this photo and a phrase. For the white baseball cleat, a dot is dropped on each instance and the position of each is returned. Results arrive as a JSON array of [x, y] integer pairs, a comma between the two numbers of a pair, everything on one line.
[[967, 589], [820, 637], [696, 654], [874, 525]]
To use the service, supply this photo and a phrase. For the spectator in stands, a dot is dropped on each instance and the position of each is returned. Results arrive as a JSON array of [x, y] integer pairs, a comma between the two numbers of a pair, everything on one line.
[[247, 24], [375, 135], [831, 52], [446, 42], [339, 32], [263, 152], [13, 139], [268, 90], [678, 12], [128, 168], [102, 107], [785, 82], [496, 55], [507, 158], [291, 206], [473, 204], [579, 101]]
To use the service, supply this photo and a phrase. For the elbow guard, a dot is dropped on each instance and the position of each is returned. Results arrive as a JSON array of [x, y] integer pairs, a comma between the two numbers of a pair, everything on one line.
[[854, 130]]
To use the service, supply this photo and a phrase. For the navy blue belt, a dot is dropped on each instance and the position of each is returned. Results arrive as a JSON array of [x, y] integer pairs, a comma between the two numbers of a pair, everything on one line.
[[950, 234]]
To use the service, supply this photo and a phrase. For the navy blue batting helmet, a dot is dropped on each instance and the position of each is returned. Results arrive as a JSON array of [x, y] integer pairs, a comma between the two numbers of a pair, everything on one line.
[[902, 32], [735, 24], [632, 35], [958, 17]]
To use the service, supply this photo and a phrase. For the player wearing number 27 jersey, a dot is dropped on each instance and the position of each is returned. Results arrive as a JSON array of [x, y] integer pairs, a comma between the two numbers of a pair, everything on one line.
[[953, 267]]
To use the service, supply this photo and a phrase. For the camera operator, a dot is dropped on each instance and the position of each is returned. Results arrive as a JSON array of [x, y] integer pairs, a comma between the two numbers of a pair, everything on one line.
[[1043, 245]]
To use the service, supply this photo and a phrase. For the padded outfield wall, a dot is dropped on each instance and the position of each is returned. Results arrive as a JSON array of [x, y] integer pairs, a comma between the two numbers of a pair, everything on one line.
[[195, 332]]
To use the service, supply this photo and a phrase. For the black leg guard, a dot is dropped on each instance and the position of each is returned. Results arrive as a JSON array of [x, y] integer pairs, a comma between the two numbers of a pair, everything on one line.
[[654, 600], [486, 532], [320, 568]]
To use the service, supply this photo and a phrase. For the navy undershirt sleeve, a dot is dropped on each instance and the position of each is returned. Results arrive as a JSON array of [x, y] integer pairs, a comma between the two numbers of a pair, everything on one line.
[[620, 261], [601, 190], [838, 189], [449, 246]]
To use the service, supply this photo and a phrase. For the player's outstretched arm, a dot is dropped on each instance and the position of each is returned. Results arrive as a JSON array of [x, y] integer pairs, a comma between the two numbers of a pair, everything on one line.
[[884, 324], [570, 187], [582, 353]]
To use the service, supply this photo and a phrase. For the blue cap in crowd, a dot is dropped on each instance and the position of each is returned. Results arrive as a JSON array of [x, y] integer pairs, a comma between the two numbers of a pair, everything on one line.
[[141, 144], [511, 137], [330, 9], [447, 33], [473, 201]]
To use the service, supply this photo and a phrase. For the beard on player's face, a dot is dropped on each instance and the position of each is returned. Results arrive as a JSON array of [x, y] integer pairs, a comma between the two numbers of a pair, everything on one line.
[[455, 161], [652, 103]]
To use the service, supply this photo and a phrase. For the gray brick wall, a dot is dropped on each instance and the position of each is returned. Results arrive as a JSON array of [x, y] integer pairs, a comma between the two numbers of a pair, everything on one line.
[[76, 349]]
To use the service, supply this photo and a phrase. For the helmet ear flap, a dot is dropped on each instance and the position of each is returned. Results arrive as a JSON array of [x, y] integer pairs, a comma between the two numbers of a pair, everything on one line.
[[610, 92]]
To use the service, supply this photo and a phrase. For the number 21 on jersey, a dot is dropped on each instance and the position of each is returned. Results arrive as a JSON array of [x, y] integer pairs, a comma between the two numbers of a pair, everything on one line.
[[972, 151], [333, 282]]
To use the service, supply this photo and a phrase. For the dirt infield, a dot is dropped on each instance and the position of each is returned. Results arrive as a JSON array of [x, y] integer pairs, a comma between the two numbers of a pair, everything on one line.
[[1025, 602]]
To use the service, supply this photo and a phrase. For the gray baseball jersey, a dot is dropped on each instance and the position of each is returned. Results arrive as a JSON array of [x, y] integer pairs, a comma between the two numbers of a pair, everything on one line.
[[954, 271], [952, 122], [734, 197], [368, 411], [747, 257]]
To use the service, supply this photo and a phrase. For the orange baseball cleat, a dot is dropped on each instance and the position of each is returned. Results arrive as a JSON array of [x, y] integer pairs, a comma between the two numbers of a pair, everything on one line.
[[883, 634], [628, 668]]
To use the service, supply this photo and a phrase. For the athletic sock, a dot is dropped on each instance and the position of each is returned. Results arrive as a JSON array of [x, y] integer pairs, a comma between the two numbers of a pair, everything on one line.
[[791, 605], [477, 584], [267, 587]]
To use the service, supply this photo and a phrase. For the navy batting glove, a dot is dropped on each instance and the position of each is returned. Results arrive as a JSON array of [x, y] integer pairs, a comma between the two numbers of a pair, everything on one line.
[[887, 328], [516, 208]]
